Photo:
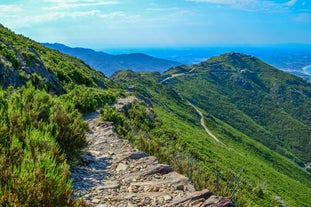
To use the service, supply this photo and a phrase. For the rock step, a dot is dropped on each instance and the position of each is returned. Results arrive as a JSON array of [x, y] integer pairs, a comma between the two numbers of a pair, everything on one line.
[[113, 173]]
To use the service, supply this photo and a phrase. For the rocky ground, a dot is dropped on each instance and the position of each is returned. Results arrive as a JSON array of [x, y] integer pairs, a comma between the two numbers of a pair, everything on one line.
[[113, 173]]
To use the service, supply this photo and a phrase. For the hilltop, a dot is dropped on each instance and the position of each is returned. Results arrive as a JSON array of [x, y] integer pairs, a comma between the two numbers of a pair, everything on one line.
[[253, 93]]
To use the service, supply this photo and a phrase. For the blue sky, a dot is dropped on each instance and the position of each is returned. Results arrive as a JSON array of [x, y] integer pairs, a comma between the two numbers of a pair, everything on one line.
[[159, 23]]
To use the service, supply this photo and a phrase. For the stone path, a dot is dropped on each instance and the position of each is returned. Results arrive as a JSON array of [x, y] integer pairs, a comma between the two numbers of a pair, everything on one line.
[[113, 173]]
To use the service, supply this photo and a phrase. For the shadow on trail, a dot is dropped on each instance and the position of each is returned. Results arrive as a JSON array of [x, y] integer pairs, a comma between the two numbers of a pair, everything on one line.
[[90, 173]]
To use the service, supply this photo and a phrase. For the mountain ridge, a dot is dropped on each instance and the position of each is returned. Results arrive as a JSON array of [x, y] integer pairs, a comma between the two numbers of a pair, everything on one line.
[[108, 63], [235, 71], [21, 58]]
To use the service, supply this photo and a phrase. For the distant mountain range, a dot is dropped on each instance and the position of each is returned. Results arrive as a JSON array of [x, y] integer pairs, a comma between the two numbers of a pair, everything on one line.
[[291, 58], [108, 63]]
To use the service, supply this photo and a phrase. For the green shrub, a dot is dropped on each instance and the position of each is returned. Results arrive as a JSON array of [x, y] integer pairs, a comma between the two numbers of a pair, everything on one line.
[[111, 114], [87, 99], [31, 107], [10, 55], [34, 170], [68, 128]]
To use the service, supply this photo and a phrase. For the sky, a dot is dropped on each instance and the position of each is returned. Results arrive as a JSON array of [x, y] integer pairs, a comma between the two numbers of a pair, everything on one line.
[[101, 24]]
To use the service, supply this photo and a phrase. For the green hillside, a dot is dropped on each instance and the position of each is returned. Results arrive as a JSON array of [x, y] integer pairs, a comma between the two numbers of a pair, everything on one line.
[[21, 57], [268, 105], [42, 133], [267, 178]]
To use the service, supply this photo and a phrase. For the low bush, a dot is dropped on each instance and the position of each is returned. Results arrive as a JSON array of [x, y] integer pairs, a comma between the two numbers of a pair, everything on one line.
[[87, 99], [38, 137]]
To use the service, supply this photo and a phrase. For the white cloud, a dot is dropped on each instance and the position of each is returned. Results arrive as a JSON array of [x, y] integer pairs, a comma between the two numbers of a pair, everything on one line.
[[9, 13], [10, 9], [251, 5], [119, 17], [30, 20], [69, 4], [164, 9], [62, 1], [230, 2], [291, 3], [261, 6]]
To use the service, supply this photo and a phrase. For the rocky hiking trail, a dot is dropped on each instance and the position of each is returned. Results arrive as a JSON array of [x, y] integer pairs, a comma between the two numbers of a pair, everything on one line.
[[113, 173]]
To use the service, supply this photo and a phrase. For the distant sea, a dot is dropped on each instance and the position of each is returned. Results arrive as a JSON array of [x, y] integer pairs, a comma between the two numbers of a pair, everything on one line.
[[288, 57]]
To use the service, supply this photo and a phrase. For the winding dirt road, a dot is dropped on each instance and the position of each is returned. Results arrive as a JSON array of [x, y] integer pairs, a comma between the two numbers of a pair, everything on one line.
[[202, 121], [173, 76]]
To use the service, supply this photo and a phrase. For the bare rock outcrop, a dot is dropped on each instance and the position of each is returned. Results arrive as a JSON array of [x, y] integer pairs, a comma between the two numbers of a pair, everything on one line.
[[113, 173], [27, 63], [124, 104]]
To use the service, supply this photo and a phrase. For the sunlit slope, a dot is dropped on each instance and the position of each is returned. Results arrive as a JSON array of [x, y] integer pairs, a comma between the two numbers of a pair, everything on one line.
[[268, 178], [268, 105]]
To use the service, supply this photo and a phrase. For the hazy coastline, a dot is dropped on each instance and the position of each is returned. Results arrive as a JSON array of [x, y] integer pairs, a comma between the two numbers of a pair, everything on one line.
[[307, 69]]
